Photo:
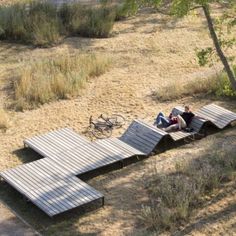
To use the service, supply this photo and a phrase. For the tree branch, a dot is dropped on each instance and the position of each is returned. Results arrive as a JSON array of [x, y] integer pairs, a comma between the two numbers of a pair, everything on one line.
[[196, 7]]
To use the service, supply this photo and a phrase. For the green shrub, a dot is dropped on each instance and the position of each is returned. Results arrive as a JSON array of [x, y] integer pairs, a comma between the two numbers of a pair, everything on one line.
[[42, 24], [13, 22], [98, 22], [224, 87], [36, 23], [56, 78], [126, 9], [72, 16]]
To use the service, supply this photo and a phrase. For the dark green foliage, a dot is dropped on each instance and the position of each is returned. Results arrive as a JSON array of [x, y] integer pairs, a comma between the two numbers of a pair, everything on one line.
[[35, 23], [126, 9], [42, 24], [98, 22]]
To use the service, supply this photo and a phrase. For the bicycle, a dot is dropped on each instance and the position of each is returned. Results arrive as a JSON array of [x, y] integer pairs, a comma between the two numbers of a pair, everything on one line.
[[103, 128]]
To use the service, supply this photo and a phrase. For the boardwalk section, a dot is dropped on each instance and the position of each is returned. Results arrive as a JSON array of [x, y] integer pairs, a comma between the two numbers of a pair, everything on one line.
[[50, 187], [218, 116], [51, 182], [55, 142]]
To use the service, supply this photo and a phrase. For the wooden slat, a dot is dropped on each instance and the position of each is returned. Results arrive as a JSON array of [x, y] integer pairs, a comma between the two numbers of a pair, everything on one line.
[[219, 116], [142, 136], [41, 182], [55, 142]]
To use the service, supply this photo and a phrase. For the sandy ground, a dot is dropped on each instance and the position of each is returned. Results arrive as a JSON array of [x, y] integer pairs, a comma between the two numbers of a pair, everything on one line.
[[148, 52]]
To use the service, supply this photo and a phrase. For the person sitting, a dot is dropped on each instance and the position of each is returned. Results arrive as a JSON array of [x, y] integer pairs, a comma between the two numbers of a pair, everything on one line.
[[165, 121], [183, 120]]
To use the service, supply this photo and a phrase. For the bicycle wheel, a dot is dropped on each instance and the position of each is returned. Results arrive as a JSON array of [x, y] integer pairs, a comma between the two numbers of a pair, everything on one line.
[[101, 133], [117, 120]]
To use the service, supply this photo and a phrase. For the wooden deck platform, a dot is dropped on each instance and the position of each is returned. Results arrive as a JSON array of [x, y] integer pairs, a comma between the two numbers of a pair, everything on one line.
[[50, 187], [51, 182]]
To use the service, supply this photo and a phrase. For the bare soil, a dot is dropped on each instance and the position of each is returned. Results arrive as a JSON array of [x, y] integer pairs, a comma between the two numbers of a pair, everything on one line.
[[148, 51]]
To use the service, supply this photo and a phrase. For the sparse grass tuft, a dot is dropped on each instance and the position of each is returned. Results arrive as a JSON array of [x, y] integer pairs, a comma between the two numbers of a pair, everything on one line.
[[4, 122], [174, 196], [58, 78], [218, 85]]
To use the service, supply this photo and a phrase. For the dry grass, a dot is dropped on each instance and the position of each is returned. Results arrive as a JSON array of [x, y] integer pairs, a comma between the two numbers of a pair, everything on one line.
[[175, 195], [4, 122], [58, 78], [177, 90], [218, 85]]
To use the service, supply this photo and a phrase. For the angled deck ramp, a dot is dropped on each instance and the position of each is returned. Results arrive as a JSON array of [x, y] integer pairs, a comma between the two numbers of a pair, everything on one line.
[[50, 187], [51, 182], [218, 116], [142, 136]]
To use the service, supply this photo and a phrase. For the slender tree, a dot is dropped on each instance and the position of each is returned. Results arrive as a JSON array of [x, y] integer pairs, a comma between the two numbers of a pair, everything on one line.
[[181, 8]]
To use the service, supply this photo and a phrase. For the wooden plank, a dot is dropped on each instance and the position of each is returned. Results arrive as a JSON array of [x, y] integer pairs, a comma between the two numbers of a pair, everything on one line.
[[54, 192], [55, 141], [221, 109], [21, 187], [212, 114], [88, 158], [107, 143], [123, 146], [39, 146], [128, 147]]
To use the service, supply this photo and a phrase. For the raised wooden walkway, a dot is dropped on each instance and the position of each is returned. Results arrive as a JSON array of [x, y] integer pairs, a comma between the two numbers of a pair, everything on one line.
[[51, 182], [50, 187]]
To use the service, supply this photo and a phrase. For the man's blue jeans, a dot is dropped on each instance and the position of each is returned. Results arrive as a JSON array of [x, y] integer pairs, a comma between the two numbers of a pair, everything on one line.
[[161, 119]]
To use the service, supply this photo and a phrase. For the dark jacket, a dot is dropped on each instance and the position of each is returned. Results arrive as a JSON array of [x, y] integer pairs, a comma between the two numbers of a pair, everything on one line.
[[187, 116]]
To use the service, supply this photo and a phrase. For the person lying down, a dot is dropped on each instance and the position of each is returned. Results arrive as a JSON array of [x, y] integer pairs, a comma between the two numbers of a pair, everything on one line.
[[173, 123]]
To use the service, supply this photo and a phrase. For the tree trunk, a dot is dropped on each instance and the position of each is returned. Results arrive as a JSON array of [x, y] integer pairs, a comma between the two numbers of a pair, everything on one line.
[[218, 48]]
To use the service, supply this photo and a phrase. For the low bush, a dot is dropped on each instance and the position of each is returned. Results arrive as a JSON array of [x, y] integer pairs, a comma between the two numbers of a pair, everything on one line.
[[58, 78], [45, 24], [126, 8], [217, 85], [87, 21], [35, 23], [174, 196]]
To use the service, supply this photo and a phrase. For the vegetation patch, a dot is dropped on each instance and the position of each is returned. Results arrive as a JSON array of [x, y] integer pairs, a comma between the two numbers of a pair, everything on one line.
[[174, 196], [218, 85], [45, 24], [56, 78]]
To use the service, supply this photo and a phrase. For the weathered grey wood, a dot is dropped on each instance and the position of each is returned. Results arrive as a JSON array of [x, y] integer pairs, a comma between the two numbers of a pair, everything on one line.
[[50, 183], [142, 136], [55, 141], [52, 192], [219, 116]]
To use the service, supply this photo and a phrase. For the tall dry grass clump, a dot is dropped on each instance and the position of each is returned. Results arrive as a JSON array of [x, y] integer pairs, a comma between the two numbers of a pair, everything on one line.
[[174, 196], [218, 85], [57, 78], [4, 120], [44, 24], [87, 21], [35, 23]]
